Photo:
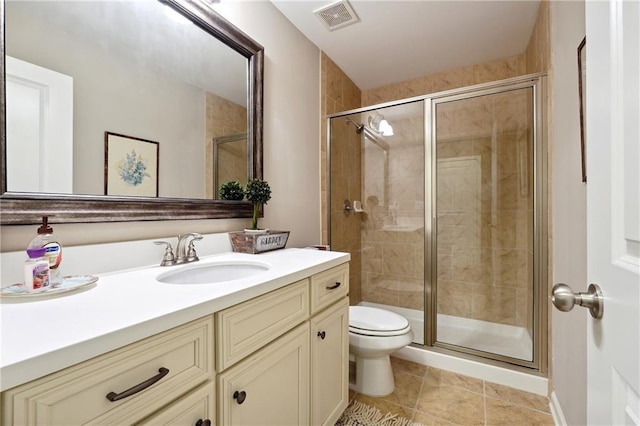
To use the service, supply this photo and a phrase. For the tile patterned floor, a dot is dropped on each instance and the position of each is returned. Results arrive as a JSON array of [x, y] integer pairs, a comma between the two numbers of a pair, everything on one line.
[[437, 397]]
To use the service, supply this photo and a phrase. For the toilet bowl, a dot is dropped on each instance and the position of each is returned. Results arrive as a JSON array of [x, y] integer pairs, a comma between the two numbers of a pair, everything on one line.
[[373, 335]]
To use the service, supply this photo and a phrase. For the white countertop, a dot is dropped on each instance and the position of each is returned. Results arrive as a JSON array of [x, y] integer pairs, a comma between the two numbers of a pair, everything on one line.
[[41, 335]]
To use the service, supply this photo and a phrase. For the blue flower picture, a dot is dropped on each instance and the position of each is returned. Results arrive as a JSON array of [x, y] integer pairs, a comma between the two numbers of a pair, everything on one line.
[[132, 169], [131, 166]]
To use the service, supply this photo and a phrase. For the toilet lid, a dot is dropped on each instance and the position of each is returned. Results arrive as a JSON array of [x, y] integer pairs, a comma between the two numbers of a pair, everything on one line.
[[376, 322]]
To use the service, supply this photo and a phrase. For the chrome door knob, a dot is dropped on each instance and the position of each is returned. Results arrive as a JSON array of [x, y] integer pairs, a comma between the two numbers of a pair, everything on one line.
[[564, 299]]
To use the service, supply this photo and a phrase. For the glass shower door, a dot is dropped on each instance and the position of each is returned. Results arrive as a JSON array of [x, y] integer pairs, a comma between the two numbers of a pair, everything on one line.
[[483, 262], [380, 167]]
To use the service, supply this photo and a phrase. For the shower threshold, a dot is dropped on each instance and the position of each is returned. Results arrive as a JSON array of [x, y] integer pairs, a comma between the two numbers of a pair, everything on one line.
[[490, 337]]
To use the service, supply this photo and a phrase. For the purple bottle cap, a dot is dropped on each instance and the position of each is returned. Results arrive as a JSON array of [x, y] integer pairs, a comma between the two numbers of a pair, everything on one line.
[[36, 252]]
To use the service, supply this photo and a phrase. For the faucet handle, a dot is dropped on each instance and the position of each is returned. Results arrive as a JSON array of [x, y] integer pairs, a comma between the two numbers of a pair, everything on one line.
[[168, 259], [192, 256]]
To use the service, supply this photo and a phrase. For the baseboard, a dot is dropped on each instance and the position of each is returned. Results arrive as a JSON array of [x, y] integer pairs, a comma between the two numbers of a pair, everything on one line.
[[556, 410]]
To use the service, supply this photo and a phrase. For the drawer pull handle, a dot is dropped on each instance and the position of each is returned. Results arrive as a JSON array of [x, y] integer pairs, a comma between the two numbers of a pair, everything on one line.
[[201, 422], [239, 396], [333, 287], [322, 334], [112, 396]]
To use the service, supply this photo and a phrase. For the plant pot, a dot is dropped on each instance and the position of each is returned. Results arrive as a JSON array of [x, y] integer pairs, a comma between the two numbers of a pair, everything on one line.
[[249, 241]]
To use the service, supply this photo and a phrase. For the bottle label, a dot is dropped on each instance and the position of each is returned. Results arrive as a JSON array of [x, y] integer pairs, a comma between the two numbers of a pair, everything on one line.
[[54, 254], [40, 274]]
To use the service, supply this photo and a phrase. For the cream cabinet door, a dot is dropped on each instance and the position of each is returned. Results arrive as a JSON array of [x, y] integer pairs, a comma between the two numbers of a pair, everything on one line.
[[330, 363], [270, 387]]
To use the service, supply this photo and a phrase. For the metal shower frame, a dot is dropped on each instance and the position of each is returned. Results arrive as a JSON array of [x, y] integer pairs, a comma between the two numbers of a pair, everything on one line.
[[538, 83]]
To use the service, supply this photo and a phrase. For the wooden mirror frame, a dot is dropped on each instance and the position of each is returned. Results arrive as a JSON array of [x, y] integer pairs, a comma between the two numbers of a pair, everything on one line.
[[23, 208]]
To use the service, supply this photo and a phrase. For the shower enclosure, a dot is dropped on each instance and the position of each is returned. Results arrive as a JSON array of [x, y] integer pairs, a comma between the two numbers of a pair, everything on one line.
[[448, 227]]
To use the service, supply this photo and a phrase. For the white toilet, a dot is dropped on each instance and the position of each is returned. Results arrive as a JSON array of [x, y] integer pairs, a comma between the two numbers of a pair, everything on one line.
[[373, 335]]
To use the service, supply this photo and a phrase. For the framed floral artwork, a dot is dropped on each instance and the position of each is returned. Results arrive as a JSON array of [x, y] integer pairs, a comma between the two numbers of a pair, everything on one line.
[[130, 166]]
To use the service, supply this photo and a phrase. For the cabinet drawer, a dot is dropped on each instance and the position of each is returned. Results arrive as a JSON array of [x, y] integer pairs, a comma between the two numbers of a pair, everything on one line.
[[197, 406], [328, 287], [78, 394], [245, 328]]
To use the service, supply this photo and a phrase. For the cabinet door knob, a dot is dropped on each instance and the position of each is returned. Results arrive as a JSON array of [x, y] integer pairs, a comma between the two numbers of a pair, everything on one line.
[[333, 287], [322, 334], [239, 396], [201, 422], [112, 396]]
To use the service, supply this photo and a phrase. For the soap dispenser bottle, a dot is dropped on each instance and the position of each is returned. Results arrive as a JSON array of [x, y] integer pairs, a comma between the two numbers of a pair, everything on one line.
[[47, 239]]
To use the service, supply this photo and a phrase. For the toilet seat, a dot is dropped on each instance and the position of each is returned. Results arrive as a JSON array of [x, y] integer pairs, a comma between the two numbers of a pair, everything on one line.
[[370, 321]]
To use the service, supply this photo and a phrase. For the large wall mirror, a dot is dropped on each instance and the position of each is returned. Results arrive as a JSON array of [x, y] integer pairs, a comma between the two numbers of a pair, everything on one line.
[[121, 111]]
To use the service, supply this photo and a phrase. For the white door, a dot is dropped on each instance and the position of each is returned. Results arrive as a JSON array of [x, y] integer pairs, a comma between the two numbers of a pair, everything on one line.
[[613, 211], [39, 128]]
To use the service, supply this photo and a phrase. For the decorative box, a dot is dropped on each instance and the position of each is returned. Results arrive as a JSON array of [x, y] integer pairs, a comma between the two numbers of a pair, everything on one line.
[[254, 243]]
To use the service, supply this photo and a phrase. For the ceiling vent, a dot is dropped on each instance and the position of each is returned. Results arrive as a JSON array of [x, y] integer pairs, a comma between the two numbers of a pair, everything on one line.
[[337, 15]]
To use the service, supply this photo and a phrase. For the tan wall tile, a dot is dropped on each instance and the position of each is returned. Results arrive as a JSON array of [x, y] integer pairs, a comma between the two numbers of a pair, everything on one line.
[[223, 118], [538, 52]]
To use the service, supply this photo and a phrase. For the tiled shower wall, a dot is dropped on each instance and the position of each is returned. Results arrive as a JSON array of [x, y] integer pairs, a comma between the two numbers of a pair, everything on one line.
[[339, 93], [446, 80], [393, 262], [393, 228], [485, 208], [222, 118]]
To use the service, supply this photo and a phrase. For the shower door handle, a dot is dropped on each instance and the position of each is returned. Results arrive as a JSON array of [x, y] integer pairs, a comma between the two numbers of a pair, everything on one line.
[[564, 299]]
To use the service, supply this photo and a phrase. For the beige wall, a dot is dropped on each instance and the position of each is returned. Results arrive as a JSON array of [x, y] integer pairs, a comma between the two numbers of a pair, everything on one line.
[[291, 145], [339, 93], [568, 196]]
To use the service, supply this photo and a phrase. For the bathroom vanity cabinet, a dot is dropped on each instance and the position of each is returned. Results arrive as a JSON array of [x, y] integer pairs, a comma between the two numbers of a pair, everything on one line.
[[278, 358], [79, 394]]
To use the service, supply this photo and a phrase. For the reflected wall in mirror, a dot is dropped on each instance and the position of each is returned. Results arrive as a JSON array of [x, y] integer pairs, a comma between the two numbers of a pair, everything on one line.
[[76, 70]]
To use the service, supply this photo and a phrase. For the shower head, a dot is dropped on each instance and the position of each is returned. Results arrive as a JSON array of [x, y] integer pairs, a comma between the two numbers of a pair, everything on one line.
[[359, 127]]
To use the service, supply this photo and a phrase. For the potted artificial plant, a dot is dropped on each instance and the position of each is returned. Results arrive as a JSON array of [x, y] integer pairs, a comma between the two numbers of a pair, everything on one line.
[[258, 193], [231, 190], [254, 240]]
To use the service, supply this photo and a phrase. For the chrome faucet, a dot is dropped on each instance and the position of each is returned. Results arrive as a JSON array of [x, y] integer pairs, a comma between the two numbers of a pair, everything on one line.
[[187, 253]]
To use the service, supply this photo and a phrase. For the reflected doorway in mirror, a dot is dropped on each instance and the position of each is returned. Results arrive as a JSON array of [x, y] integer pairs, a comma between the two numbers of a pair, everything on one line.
[[130, 166]]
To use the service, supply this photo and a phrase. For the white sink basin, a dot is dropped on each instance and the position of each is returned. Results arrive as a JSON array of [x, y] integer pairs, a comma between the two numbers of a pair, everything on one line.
[[210, 273]]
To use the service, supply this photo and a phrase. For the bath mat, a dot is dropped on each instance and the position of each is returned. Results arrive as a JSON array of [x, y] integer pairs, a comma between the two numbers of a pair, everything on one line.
[[359, 414]]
